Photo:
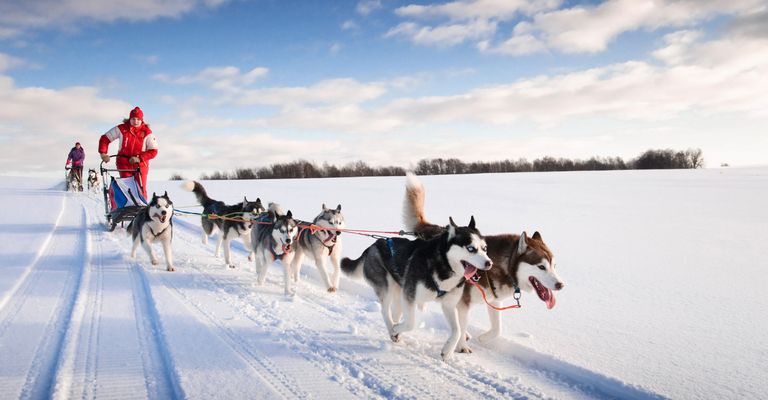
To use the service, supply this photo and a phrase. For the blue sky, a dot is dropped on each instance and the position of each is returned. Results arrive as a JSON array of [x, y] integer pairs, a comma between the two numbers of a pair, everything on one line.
[[233, 84]]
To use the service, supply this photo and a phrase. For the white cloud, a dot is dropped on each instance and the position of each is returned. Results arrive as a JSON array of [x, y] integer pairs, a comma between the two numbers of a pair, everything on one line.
[[474, 9], [332, 91], [226, 78], [40, 125], [366, 7], [444, 35], [590, 29], [349, 25], [17, 16], [8, 62]]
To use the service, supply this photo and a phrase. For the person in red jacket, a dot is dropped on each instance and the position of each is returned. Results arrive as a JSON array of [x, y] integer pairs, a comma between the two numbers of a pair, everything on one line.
[[137, 146]]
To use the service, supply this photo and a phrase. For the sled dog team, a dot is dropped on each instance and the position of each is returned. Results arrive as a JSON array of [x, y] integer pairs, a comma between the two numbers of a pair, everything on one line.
[[404, 274]]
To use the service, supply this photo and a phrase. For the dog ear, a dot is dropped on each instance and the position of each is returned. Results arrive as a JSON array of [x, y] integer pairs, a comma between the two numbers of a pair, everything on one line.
[[245, 201], [451, 228], [325, 208], [338, 208], [258, 201], [154, 196], [288, 214], [522, 244], [472, 222], [165, 194], [537, 236]]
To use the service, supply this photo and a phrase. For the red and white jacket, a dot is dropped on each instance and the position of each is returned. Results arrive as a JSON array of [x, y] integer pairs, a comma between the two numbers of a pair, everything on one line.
[[134, 142]]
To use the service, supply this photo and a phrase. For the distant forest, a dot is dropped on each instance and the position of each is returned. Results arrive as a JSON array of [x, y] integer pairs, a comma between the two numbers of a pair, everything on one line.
[[651, 159]]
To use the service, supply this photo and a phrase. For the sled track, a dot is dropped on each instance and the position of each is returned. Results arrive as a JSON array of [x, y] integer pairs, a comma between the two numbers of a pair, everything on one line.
[[43, 286]]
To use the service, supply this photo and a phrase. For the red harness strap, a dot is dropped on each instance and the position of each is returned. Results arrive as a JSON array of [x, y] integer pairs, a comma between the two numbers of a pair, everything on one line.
[[473, 280]]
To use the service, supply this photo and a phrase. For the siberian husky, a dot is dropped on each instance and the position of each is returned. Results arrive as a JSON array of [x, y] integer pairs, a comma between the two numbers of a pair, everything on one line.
[[321, 244], [273, 241], [94, 181], [520, 261], [154, 224], [413, 272], [230, 229]]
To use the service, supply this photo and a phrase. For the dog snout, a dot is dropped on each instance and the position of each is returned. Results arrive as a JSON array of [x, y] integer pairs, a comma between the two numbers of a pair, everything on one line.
[[164, 213], [559, 285]]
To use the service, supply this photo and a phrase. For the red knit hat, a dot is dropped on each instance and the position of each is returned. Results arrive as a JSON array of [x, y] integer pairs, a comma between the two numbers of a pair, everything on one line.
[[136, 112]]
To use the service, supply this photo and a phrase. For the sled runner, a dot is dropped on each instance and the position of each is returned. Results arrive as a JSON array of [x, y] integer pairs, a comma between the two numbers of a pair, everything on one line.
[[123, 197]]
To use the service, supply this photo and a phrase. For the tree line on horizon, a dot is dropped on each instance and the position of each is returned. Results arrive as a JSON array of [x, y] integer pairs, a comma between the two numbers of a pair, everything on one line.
[[650, 159]]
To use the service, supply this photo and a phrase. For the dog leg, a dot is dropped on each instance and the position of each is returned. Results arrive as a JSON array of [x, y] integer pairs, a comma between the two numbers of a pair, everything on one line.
[[397, 304], [261, 269], [148, 248], [227, 253], [452, 316], [136, 242], [386, 298], [168, 256], [409, 319], [249, 246], [296, 265], [495, 331], [336, 262], [320, 263], [463, 311], [218, 245], [287, 279]]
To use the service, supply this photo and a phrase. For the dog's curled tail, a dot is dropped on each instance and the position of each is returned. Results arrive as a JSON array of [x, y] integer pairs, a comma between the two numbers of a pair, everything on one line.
[[353, 268], [413, 205], [198, 190]]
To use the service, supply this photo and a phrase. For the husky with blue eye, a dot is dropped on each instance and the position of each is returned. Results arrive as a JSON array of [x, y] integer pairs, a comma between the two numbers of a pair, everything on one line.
[[521, 262], [154, 224], [273, 239], [406, 273]]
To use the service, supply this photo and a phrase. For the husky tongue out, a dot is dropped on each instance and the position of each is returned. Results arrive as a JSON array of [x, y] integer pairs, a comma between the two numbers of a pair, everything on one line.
[[161, 218], [469, 269], [546, 295]]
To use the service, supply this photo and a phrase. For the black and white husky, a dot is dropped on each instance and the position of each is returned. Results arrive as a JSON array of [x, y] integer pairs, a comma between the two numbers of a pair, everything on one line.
[[237, 225], [154, 224], [321, 244], [413, 272], [273, 240], [520, 262], [94, 181]]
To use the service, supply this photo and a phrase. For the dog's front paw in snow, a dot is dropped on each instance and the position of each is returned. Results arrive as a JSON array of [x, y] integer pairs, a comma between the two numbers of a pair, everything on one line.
[[447, 356], [463, 349], [170, 268]]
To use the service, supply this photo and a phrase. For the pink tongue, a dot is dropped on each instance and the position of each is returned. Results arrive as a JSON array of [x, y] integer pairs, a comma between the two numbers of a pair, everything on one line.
[[551, 301], [469, 271]]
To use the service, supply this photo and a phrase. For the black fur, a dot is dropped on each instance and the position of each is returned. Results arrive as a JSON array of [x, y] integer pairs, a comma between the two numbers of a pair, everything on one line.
[[211, 206]]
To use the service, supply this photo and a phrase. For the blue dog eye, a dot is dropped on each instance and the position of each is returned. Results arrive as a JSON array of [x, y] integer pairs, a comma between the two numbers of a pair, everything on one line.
[[472, 249]]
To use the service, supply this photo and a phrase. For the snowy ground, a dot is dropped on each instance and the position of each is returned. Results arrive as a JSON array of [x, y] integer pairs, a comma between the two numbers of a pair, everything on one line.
[[664, 274]]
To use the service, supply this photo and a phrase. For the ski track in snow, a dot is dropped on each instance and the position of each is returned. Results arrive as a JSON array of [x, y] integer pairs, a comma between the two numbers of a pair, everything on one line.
[[121, 328]]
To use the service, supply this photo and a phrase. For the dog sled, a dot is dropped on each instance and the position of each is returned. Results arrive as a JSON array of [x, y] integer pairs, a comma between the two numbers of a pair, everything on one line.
[[73, 181], [123, 198]]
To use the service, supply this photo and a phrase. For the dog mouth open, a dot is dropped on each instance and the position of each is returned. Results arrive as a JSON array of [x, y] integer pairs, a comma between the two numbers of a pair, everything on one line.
[[546, 295], [160, 217], [469, 269]]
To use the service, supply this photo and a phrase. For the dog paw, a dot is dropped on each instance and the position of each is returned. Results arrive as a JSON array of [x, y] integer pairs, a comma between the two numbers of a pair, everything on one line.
[[464, 349], [155, 262], [331, 290], [170, 268], [446, 356], [395, 338], [250, 258], [232, 266]]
